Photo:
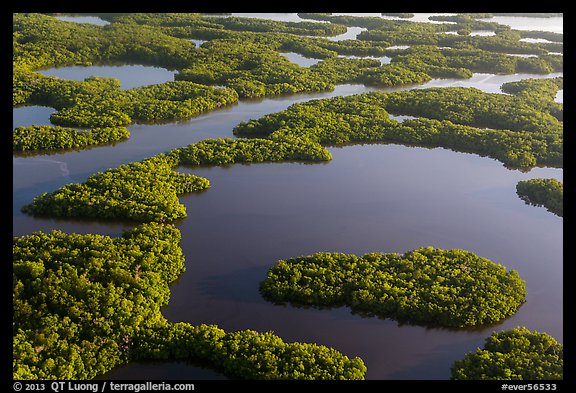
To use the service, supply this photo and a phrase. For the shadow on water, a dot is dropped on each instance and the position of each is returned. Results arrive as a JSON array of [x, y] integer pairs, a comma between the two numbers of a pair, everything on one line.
[[364, 200], [168, 370], [33, 153], [237, 286], [399, 322]]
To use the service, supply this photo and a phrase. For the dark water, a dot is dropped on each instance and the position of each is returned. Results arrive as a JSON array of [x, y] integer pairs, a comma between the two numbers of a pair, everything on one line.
[[156, 371], [130, 76], [369, 198], [385, 198]]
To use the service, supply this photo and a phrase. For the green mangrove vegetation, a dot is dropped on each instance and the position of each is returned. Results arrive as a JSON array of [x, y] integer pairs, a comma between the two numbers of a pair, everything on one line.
[[525, 132], [543, 192], [245, 354], [243, 54], [101, 106], [149, 190], [514, 354], [58, 138], [78, 299], [525, 128], [427, 286], [84, 304], [140, 191], [227, 151]]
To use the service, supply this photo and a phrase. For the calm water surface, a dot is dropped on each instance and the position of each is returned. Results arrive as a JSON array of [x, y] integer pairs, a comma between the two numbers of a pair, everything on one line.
[[130, 76], [554, 24], [369, 198], [93, 20], [33, 115], [385, 198]]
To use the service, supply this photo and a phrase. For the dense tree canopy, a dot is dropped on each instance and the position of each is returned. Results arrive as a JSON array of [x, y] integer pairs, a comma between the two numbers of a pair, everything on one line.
[[525, 129], [79, 299], [452, 288], [141, 191], [42, 41], [83, 304], [243, 54], [245, 354], [149, 190], [101, 106], [515, 354], [543, 192], [57, 138]]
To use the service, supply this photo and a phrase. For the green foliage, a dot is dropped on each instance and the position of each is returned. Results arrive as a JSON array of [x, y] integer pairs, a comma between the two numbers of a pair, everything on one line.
[[175, 101], [253, 69], [336, 120], [539, 94], [264, 25], [434, 287], [56, 138], [98, 103], [543, 192], [79, 299], [514, 354], [84, 304], [525, 129], [196, 21], [243, 53], [141, 191], [393, 74], [42, 41], [229, 151], [245, 354], [148, 190], [472, 106]]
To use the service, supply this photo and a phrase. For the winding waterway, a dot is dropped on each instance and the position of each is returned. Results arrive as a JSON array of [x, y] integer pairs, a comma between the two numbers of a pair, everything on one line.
[[375, 197]]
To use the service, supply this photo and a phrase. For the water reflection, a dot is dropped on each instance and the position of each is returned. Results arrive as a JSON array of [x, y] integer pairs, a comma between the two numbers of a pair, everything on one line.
[[299, 59], [418, 17], [382, 59], [198, 43], [155, 371], [351, 34], [368, 198], [31, 115], [488, 83], [486, 33], [130, 76], [554, 24], [277, 16], [92, 20], [386, 198]]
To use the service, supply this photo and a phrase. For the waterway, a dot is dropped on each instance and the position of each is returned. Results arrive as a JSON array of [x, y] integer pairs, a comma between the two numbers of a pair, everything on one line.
[[373, 197]]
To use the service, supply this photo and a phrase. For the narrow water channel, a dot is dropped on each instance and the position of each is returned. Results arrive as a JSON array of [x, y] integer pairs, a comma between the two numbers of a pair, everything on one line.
[[375, 197]]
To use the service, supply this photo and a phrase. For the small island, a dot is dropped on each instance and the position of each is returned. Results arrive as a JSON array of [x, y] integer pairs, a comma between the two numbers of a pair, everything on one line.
[[512, 355], [84, 304], [427, 286], [543, 192]]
